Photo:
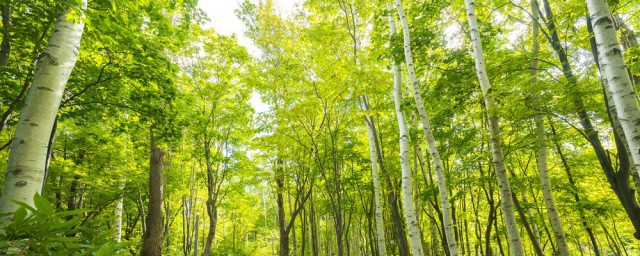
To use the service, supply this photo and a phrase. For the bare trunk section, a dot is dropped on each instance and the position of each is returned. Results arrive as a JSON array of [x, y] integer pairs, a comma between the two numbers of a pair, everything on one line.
[[117, 236], [513, 233], [27, 158], [380, 237], [152, 239], [542, 157]]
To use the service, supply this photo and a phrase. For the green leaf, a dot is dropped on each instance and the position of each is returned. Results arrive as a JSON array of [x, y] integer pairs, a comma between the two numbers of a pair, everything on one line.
[[43, 205], [26, 206], [19, 215], [105, 250]]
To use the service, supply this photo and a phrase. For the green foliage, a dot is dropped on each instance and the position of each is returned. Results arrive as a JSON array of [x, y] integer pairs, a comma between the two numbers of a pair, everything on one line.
[[42, 231]]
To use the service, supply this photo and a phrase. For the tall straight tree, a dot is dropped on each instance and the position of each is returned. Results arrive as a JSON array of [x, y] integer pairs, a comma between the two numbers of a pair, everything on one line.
[[27, 159], [413, 226], [152, 238], [615, 75], [443, 191], [494, 129], [542, 158], [378, 211]]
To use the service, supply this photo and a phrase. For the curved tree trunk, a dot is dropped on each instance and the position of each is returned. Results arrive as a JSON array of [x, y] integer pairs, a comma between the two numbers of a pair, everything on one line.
[[443, 191], [615, 76], [542, 159], [513, 234], [25, 172]]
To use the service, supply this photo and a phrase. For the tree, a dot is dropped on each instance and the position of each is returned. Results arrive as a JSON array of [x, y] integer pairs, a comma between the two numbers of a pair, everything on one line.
[[25, 173], [494, 128], [152, 239], [443, 190]]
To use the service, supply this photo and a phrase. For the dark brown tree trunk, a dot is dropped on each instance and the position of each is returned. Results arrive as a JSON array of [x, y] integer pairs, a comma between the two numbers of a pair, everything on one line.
[[284, 233], [5, 46], [314, 230], [152, 239]]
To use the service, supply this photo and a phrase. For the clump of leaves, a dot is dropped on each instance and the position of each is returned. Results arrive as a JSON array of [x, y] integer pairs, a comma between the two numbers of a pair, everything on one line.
[[42, 231]]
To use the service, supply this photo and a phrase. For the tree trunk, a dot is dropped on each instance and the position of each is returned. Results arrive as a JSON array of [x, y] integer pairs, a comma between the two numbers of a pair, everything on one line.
[[616, 77], [428, 134], [542, 160], [380, 237], [118, 213], [413, 226], [494, 128], [27, 157], [152, 240]]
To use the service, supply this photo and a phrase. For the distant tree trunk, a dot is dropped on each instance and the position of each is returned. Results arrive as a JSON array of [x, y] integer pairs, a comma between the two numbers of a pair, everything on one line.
[[378, 211], [513, 233], [152, 239], [196, 229], [28, 154], [118, 213], [543, 170], [5, 46]]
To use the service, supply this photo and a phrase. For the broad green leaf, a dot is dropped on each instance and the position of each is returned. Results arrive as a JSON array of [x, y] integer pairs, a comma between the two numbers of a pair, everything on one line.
[[19, 215], [43, 205]]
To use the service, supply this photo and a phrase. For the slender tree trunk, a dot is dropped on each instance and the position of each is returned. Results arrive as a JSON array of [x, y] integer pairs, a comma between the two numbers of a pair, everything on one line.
[[152, 240], [542, 160], [196, 229], [413, 226], [5, 46], [447, 222], [118, 213], [27, 157], [380, 237], [513, 234], [616, 77]]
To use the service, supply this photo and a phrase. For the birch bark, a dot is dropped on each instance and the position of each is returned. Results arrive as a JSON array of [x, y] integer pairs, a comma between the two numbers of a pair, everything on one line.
[[428, 134], [382, 248], [25, 172], [411, 219], [513, 234], [615, 75], [542, 159], [118, 213]]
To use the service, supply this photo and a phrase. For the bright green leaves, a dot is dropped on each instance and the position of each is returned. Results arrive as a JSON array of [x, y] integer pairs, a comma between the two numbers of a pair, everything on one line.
[[42, 205], [42, 231]]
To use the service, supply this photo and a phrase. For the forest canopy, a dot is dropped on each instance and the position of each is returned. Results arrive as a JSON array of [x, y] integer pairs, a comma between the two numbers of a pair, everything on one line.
[[343, 127]]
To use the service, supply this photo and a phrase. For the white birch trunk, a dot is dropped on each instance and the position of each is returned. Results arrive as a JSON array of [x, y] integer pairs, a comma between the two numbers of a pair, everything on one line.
[[118, 212], [542, 159], [413, 227], [428, 134], [513, 234], [25, 172], [382, 248], [615, 76]]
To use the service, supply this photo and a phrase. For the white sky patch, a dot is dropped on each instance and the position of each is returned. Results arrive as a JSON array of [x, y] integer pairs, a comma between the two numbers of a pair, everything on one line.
[[222, 15]]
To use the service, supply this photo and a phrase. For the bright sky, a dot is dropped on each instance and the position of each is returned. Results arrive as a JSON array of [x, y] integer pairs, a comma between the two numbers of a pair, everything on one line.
[[223, 18]]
